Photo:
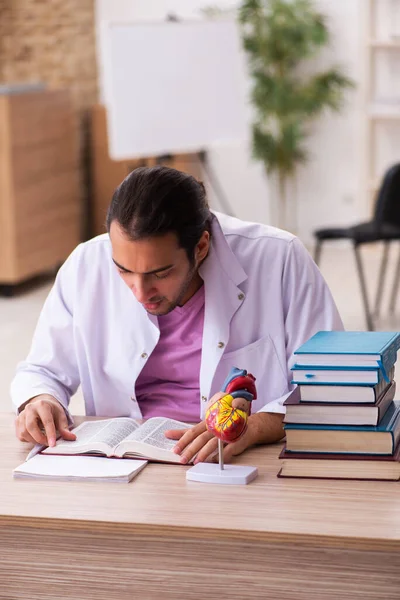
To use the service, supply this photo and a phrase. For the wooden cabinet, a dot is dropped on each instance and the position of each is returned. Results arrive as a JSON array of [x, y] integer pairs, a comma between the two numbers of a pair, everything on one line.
[[40, 206], [107, 174]]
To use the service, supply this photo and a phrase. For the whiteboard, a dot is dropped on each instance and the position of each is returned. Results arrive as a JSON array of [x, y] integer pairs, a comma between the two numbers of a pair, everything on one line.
[[173, 87]]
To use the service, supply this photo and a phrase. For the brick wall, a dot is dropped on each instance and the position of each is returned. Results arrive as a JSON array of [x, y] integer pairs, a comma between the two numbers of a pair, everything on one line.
[[53, 41]]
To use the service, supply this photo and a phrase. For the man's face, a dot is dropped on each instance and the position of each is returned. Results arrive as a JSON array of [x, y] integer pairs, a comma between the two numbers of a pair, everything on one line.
[[156, 269]]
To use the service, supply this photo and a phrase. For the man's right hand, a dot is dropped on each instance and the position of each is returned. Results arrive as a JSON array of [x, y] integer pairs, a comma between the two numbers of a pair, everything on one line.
[[40, 420]]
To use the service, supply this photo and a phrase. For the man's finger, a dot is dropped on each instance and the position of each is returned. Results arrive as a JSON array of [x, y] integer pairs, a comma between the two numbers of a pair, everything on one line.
[[66, 434], [32, 425], [214, 399], [174, 434], [208, 451], [25, 437], [198, 444], [236, 448], [47, 419], [62, 425], [20, 430], [189, 436]]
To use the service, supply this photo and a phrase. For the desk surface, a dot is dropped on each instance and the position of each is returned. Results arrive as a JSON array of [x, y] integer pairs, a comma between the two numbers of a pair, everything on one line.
[[349, 514]]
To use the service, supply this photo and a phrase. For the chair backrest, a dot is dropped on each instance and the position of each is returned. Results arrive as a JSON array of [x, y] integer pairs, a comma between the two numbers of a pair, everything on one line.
[[387, 207]]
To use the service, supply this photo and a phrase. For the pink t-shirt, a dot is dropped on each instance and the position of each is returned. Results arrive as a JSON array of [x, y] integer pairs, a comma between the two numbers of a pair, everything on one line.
[[168, 385]]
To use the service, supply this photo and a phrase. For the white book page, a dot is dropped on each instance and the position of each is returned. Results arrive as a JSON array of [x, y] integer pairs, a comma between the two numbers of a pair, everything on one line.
[[79, 467], [152, 432], [93, 434]]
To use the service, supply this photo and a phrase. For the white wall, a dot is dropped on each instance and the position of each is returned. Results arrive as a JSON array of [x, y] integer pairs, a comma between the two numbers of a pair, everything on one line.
[[329, 188]]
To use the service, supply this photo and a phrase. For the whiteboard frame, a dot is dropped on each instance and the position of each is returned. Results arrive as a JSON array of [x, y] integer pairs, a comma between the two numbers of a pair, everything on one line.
[[105, 28]]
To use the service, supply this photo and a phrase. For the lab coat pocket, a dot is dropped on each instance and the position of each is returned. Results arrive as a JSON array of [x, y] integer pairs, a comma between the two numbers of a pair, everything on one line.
[[261, 359]]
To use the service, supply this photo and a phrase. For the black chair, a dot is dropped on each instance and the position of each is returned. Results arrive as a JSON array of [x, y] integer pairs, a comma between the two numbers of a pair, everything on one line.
[[384, 227]]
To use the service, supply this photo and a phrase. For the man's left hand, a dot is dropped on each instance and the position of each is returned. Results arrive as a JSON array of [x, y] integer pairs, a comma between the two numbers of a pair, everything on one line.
[[262, 428]]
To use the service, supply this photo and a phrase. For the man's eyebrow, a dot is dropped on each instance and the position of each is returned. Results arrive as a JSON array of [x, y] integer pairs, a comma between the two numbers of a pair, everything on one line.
[[147, 272]]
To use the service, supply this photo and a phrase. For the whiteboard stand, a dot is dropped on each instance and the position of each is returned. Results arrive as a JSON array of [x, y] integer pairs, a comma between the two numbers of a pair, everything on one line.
[[215, 184], [210, 174]]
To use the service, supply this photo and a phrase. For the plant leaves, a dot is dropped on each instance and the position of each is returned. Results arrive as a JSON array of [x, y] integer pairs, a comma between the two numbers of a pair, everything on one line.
[[279, 37]]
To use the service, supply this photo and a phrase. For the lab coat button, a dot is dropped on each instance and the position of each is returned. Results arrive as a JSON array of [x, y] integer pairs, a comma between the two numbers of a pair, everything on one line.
[[204, 398], [221, 345], [144, 355], [240, 296]]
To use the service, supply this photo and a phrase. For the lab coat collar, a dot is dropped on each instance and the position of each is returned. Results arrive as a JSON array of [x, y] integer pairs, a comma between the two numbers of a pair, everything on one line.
[[220, 251]]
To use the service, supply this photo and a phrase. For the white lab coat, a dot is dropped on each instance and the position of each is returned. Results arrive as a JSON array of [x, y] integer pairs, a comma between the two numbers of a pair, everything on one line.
[[264, 296]]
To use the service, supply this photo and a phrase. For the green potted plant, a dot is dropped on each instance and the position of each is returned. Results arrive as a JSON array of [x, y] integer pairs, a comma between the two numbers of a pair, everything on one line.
[[279, 37]]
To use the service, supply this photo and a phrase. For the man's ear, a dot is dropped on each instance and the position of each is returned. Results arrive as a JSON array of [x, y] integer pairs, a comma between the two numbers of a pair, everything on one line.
[[202, 247]]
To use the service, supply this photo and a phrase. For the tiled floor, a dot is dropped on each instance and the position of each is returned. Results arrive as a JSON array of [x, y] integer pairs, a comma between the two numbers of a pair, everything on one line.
[[18, 315]]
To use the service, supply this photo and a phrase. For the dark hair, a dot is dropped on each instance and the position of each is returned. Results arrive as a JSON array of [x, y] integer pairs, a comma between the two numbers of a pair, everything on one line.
[[159, 200]]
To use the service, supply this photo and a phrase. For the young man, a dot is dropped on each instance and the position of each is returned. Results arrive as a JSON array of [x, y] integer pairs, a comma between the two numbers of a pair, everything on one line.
[[150, 318]]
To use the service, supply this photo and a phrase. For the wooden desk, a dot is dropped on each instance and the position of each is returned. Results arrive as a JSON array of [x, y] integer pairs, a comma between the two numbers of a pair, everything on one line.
[[163, 537]]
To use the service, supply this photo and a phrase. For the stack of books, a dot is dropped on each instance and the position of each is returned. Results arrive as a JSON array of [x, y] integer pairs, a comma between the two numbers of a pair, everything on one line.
[[341, 420]]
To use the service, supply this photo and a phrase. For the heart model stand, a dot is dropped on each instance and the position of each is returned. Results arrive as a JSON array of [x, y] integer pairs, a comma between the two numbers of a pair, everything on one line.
[[226, 418]]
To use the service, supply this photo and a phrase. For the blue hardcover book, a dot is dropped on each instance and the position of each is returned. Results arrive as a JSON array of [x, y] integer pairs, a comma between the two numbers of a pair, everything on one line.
[[350, 349], [368, 439]]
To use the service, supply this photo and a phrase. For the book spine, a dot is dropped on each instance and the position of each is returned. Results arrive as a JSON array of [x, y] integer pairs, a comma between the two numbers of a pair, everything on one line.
[[392, 422], [378, 388], [388, 359]]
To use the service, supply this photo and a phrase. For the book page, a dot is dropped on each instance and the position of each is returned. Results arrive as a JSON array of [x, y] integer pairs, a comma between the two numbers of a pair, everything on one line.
[[152, 432], [110, 432], [79, 467]]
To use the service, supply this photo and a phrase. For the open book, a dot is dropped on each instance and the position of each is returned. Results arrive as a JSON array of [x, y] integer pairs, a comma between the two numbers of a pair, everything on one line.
[[124, 438]]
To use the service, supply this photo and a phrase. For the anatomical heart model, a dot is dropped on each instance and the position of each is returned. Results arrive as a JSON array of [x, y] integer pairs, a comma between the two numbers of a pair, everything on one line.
[[226, 418]]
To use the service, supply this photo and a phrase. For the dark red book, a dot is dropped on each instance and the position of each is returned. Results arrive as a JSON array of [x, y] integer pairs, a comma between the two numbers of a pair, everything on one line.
[[341, 466], [337, 414]]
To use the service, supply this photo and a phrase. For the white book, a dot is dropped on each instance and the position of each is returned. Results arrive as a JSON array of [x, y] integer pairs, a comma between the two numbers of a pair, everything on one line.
[[318, 375], [357, 394], [87, 468], [337, 360], [124, 438]]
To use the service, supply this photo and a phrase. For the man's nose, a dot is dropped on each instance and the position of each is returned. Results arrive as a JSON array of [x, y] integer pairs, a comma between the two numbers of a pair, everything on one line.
[[142, 290]]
